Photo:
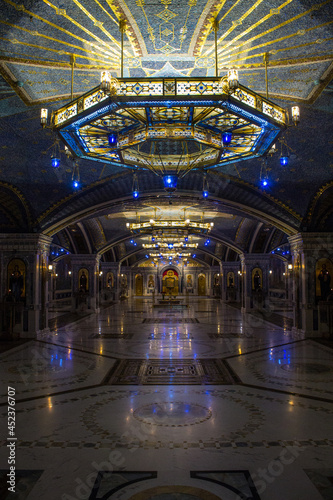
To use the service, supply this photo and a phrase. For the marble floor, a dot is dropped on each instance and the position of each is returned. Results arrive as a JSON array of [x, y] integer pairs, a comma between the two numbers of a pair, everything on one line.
[[162, 403]]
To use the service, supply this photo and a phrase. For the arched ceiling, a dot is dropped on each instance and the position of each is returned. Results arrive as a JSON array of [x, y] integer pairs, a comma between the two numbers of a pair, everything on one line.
[[164, 38]]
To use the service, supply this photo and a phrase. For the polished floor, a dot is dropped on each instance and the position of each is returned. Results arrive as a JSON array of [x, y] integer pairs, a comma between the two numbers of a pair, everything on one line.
[[194, 401]]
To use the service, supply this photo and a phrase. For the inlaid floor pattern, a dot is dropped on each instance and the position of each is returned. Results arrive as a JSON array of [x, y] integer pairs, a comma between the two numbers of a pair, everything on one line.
[[176, 372], [171, 319]]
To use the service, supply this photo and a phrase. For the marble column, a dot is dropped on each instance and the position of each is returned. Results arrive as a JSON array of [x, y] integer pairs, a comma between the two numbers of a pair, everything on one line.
[[30, 251], [306, 250]]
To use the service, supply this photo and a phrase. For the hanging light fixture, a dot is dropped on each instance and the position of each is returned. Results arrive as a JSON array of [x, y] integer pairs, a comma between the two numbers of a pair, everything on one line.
[[76, 176], [295, 114], [43, 116], [170, 183], [264, 181], [233, 79], [135, 187], [150, 124], [205, 187], [284, 154], [113, 139], [109, 85], [226, 138], [284, 160], [55, 155]]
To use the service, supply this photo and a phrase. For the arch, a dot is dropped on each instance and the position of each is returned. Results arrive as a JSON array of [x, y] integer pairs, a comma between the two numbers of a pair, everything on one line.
[[15, 211], [320, 207], [104, 196], [218, 239]]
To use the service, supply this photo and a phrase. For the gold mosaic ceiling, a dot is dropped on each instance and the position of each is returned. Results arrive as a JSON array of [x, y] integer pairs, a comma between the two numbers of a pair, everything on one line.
[[39, 39]]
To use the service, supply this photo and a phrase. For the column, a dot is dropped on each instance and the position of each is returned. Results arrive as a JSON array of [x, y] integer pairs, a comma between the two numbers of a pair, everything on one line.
[[307, 249], [24, 281]]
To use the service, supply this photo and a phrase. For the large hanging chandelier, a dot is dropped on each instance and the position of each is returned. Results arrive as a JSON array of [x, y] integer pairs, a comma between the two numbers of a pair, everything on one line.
[[170, 228], [169, 126]]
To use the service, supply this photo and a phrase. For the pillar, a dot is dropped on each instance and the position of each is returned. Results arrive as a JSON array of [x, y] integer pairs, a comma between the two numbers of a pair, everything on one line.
[[33, 251], [306, 250]]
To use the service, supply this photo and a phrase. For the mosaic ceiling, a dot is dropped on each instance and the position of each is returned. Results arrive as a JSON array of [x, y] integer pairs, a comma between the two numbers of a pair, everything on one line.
[[42, 42], [165, 38]]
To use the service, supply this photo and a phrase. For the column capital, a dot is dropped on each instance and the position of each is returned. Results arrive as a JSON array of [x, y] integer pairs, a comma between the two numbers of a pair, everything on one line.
[[87, 259], [318, 242], [258, 259], [24, 242], [231, 265]]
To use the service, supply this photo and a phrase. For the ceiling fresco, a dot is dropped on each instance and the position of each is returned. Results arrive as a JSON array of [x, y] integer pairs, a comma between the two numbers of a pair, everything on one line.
[[42, 42]]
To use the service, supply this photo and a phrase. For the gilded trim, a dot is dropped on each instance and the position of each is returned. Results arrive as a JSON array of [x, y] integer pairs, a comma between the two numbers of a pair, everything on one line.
[[315, 199]]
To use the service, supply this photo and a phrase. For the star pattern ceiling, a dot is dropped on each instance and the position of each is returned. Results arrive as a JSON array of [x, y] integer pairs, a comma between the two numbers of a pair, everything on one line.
[[165, 38]]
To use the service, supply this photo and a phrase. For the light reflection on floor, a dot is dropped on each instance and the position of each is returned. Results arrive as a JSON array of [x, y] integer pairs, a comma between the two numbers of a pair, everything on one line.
[[195, 438]]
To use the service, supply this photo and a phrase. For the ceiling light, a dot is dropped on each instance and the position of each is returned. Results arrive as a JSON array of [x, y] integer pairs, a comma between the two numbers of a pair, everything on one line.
[[113, 139], [233, 79], [43, 116], [226, 138], [55, 161], [145, 124], [295, 113], [284, 160], [170, 182]]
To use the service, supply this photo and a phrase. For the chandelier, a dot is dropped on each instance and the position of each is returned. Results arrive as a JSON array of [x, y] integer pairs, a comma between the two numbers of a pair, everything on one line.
[[169, 126], [170, 228], [170, 245]]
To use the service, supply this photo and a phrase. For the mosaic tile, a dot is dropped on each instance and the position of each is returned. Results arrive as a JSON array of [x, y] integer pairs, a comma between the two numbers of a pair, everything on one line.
[[162, 372]]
